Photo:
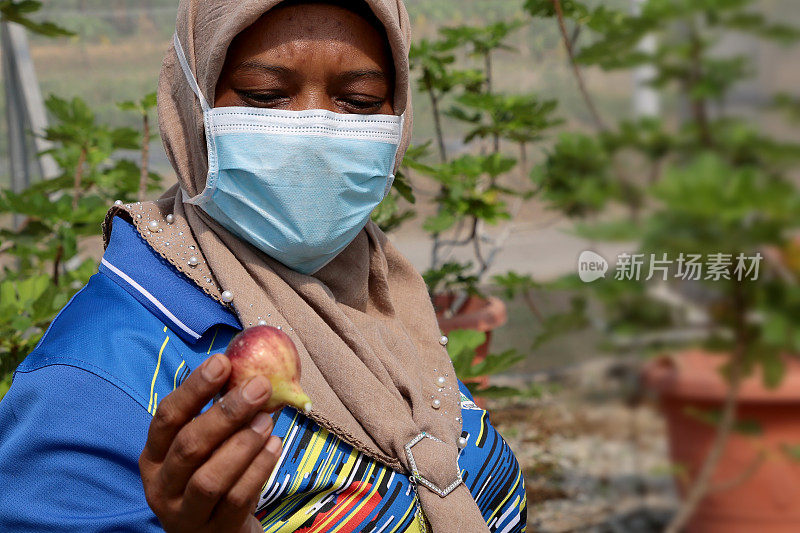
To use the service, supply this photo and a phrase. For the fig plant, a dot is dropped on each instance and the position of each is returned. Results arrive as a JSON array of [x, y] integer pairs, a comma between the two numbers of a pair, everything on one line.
[[713, 186], [480, 182], [43, 264]]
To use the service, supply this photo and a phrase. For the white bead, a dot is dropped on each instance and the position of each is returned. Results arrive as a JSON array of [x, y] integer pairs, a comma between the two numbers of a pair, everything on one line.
[[170, 219], [227, 297], [118, 202], [279, 328], [462, 442], [443, 340], [153, 225], [193, 261], [441, 380], [437, 403], [262, 322]]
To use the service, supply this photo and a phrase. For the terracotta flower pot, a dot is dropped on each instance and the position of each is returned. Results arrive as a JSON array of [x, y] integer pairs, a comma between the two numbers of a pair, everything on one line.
[[477, 313], [756, 485]]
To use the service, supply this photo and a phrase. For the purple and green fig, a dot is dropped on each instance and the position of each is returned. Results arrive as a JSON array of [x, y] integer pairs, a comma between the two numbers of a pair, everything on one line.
[[269, 352]]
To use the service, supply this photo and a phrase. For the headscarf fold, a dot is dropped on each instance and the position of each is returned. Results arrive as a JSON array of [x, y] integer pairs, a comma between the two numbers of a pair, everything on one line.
[[364, 325]]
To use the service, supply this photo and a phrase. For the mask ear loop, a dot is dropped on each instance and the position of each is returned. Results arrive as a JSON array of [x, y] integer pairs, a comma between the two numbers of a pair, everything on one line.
[[187, 71], [203, 197], [392, 176]]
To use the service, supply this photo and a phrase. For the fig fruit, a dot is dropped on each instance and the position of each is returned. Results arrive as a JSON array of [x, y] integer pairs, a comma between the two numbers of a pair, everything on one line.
[[268, 351]]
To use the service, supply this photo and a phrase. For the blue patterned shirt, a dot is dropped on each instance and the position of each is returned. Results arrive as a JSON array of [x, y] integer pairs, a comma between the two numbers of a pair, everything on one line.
[[75, 420]]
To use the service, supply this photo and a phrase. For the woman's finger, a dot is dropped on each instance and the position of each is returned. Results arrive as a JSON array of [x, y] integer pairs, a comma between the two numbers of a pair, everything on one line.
[[214, 479], [242, 498], [201, 437], [183, 404]]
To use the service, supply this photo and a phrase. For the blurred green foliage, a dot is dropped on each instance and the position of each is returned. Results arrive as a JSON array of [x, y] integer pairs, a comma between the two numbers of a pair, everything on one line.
[[46, 266], [43, 265], [20, 11], [713, 184]]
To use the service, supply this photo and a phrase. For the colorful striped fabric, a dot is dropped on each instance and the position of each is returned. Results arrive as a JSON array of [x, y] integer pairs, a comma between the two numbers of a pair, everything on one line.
[[323, 485]]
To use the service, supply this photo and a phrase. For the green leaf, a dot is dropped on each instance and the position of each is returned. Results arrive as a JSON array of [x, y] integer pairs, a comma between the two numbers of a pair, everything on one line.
[[440, 222], [19, 11], [714, 417], [497, 363], [461, 347], [513, 283], [452, 277], [389, 216], [495, 392], [792, 451], [773, 367]]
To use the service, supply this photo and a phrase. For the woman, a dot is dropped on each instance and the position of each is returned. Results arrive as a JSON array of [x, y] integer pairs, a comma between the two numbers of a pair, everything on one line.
[[110, 423]]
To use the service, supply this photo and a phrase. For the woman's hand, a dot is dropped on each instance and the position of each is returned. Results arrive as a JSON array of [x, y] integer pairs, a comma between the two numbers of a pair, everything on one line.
[[206, 473]]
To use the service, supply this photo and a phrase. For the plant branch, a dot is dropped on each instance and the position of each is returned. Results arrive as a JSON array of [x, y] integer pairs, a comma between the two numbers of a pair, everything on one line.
[[76, 191], [568, 44], [743, 476], [476, 244], [702, 484], [527, 295], [523, 161], [437, 123], [145, 166], [699, 105], [57, 264], [489, 89]]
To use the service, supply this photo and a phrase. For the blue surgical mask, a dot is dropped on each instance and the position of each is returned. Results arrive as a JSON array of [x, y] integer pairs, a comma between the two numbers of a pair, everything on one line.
[[297, 185]]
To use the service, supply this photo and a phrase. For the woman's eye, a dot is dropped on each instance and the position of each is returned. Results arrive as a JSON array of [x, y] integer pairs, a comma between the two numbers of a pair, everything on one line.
[[265, 99], [361, 104]]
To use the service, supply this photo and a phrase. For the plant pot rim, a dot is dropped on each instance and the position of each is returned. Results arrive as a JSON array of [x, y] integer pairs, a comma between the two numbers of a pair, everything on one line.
[[491, 315], [695, 375]]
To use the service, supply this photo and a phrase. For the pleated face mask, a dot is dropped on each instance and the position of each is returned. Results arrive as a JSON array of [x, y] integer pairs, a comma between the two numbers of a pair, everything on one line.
[[297, 185]]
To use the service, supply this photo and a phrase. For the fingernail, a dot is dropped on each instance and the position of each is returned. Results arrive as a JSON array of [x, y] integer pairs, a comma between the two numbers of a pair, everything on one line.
[[255, 390], [261, 423], [213, 369], [274, 445]]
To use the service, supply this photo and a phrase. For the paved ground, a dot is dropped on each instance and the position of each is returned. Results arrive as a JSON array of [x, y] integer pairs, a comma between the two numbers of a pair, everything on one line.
[[592, 461], [541, 246]]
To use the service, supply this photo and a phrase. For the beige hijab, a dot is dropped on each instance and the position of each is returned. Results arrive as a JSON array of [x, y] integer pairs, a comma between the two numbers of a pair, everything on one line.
[[364, 325]]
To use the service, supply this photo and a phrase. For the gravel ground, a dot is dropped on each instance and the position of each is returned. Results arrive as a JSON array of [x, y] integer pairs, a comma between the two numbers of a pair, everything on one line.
[[594, 457]]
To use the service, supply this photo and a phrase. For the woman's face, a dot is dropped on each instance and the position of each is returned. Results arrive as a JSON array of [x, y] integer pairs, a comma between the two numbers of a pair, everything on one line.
[[313, 56]]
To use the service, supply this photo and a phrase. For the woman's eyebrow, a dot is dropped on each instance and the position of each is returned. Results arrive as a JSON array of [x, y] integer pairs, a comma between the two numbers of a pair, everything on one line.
[[362, 74], [252, 64]]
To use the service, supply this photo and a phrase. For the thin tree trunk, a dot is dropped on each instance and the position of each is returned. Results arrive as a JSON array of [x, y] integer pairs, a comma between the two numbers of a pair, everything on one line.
[[523, 162], [699, 105], [437, 123], [57, 264], [702, 484], [575, 70], [487, 60], [476, 246], [76, 191], [145, 166], [489, 89]]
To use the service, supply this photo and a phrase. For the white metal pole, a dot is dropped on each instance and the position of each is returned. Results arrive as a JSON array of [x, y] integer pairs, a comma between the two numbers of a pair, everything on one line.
[[646, 100]]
